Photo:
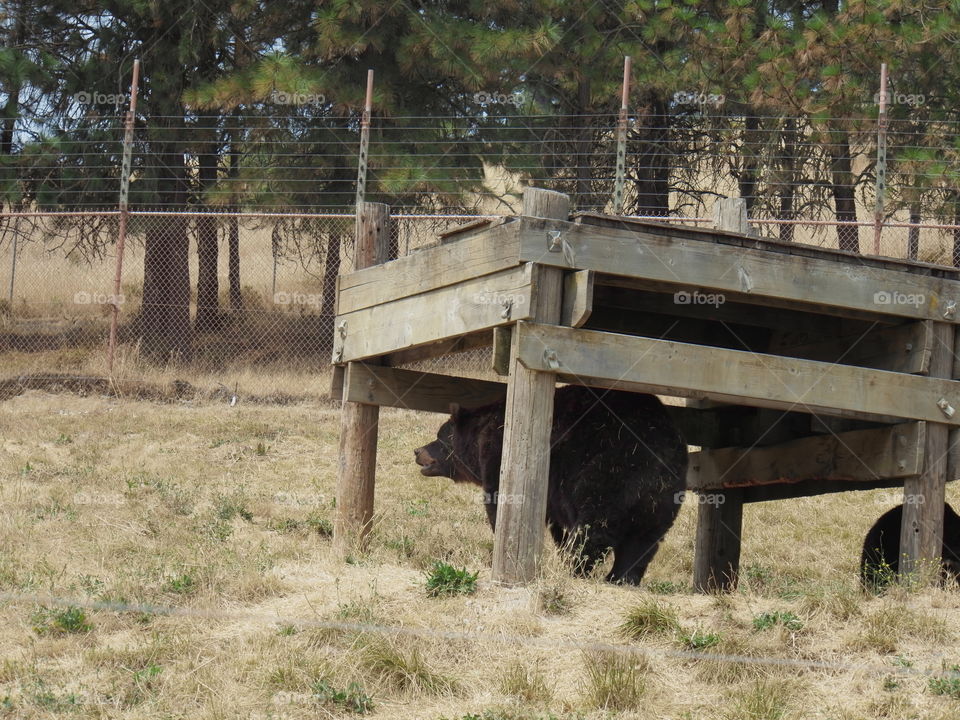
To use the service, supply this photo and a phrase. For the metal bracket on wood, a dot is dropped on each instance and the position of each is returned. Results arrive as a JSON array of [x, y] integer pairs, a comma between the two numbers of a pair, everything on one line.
[[551, 359], [946, 407], [557, 243], [338, 341], [950, 311]]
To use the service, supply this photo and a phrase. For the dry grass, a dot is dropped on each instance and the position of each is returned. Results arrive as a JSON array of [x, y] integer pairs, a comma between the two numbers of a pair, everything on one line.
[[221, 515]]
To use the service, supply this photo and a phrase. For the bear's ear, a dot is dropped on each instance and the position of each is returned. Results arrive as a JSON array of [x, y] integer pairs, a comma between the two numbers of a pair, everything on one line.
[[454, 410]]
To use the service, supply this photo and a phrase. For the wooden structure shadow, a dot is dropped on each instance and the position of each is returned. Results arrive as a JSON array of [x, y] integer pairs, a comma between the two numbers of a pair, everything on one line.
[[809, 370]]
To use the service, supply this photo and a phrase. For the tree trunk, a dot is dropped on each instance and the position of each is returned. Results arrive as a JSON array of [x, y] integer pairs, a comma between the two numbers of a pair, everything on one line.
[[165, 316], [208, 282], [233, 227], [651, 169], [788, 177], [581, 147], [749, 152], [233, 261], [913, 234], [841, 178]]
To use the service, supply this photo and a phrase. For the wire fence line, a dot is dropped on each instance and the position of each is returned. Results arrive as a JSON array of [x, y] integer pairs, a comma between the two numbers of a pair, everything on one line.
[[244, 223]]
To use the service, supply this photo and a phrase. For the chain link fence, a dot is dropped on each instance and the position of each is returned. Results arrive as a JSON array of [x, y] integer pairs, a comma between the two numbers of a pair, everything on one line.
[[262, 289]]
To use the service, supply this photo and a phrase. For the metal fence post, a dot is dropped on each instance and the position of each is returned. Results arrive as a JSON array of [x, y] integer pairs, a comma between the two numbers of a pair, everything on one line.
[[621, 176]]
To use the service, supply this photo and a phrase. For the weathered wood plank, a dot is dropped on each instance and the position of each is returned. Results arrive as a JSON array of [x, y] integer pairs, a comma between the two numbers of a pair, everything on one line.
[[525, 466], [856, 456], [812, 488], [413, 390], [577, 298], [685, 263], [446, 313], [431, 268], [680, 369], [440, 348], [771, 245], [921, 530]]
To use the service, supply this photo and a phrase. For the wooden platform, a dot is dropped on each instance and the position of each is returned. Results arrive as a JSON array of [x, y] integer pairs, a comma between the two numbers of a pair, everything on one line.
[[825, 371]]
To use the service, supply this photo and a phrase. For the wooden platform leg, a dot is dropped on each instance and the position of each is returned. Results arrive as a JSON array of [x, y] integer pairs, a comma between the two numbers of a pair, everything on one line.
[[921, 534], [716, 560], [525, 466], [359, 423]]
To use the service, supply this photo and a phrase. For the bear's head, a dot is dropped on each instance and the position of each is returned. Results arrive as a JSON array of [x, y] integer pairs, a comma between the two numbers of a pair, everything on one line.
[[452, 454]]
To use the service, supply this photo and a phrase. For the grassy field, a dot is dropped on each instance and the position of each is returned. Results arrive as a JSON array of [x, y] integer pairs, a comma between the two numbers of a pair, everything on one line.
[[173, 560]]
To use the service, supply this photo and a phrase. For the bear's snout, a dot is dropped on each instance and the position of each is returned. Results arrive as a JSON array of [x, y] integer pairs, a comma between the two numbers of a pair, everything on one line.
[[427, 462]]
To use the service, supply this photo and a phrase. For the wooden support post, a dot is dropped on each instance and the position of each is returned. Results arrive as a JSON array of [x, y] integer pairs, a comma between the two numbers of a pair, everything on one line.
[[717, 559], [730, 214], [358, 423], [921, 532], [525, 467]]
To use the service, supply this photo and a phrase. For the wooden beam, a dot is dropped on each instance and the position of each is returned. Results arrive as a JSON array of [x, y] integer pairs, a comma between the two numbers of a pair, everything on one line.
[[857, 456], [801, 282], [921, 531], [812, 488], [413, 390], [501, 350], [430, 268], [577, 298], [626, 294], [528, 421], [359, 423], [440, 348], [901, 348], [336, 382], [658, 366], [716, 562], [437, 315], [684, 232]]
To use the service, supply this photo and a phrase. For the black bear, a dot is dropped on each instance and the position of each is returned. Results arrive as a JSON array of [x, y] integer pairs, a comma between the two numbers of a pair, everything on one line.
[[880, 559], [617, 472]]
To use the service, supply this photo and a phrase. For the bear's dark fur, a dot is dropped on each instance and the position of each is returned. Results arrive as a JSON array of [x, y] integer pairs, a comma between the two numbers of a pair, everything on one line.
[[880, 559], [617, 468]]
